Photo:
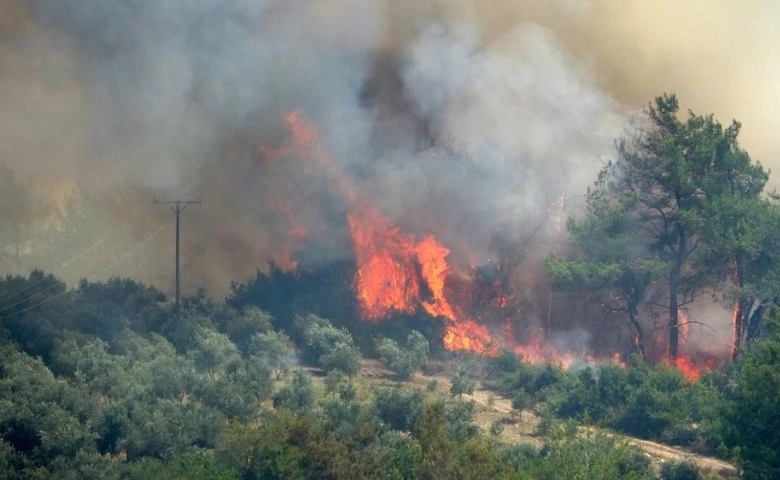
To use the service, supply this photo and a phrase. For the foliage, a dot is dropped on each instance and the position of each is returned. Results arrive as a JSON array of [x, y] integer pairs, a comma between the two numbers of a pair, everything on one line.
[[196, 465], [273, 348], [341, 357], [752, 426], [572, 453], [329, 347], [284, 446], [400, 410], [404, 360], [327, 292], [679, 470], [446, 457], [297, 396], [462, 383], [658, 215], [241, 327], [166, 394], [637, 400]]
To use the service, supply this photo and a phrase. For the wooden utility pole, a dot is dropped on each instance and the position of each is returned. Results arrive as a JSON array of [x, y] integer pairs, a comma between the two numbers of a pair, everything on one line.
[[178, 207]]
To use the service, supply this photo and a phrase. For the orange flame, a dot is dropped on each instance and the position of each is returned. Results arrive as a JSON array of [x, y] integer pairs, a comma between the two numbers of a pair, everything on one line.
[[469, 335], [690, 370], [383, 282], [400, 272]]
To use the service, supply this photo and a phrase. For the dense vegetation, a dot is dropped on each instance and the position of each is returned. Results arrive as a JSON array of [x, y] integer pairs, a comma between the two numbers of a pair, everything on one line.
[[679, 215], [111, 380]]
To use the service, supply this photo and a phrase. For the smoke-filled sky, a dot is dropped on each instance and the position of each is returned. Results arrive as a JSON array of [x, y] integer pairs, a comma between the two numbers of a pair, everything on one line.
[[457, 118]]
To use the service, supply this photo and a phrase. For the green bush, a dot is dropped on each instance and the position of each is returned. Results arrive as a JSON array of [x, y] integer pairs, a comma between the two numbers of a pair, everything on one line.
[[679, 470]]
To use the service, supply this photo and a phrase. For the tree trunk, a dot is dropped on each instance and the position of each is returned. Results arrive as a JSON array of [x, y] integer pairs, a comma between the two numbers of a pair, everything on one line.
[[639, 340], [754, 323], [674, 280], [740, 312], [738, 326], [674, 284]]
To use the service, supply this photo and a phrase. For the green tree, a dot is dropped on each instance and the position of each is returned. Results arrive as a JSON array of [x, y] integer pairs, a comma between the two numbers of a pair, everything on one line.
[[403, 360], [462, 383], [242, 326], [342, 357], [446, 457], [274, 349], [670, 171], [297, 395], [679, 470], [744, 238], [612, 265], [285, 445], [213, 351], [238, 390], [329, 347], [656, 198], [42, 420], [196, 465], [752, 426], [399, 409], [396, 455], [577, 453]]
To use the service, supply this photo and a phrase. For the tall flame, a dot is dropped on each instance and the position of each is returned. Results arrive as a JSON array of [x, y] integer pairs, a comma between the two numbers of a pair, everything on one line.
[[400, 272], [383, 282]]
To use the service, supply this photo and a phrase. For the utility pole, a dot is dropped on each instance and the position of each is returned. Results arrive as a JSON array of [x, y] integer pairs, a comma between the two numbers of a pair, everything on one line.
[[178, 207]]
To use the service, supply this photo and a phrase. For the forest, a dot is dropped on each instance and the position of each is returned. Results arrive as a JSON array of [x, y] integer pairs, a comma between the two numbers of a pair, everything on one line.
[[113, 379]]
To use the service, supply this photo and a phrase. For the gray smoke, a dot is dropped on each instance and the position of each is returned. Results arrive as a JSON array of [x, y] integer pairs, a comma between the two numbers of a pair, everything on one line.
[[445, 126]]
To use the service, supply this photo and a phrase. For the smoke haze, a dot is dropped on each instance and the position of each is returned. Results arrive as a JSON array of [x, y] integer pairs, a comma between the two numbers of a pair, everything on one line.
[[457, 118]]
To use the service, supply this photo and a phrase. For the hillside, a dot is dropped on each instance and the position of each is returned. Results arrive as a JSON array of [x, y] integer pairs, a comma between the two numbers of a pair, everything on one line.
[[113, 380], [523, 427]]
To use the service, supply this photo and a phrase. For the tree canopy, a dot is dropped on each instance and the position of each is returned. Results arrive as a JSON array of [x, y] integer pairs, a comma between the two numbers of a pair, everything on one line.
[[664, 222]]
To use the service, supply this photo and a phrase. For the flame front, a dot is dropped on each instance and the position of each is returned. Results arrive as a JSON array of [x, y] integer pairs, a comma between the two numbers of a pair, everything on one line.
[[397, 273], [382, 282]]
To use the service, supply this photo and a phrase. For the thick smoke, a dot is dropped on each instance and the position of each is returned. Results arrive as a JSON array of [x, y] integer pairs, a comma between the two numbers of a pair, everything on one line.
[[463, 120]]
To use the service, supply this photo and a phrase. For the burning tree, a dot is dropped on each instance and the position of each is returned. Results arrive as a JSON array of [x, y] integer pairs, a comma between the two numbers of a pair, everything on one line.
[[615, 268], [653, 216], [745, 238]]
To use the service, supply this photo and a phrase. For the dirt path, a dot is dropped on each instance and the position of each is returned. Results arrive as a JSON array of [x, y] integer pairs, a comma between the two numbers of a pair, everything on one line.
[[660, 452], [523, 427]]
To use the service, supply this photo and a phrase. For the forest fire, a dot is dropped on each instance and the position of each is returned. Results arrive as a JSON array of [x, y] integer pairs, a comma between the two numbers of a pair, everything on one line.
[[397, 273], [691, 370], [400, 272]]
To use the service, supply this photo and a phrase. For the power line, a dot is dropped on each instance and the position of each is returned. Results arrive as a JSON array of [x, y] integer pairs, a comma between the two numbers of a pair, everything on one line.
[[64, 266], [135, 249], [178, 207], [83, 267]]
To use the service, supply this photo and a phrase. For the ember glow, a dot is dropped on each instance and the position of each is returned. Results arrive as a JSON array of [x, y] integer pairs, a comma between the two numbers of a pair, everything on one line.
[[690, 369]]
